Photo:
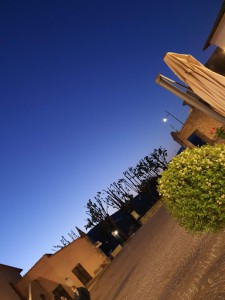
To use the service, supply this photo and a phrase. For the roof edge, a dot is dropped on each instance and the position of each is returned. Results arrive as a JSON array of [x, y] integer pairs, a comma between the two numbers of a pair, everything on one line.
[[213, 30]]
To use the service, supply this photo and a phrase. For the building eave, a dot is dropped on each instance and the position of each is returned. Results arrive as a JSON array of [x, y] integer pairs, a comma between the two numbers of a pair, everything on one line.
[[215, 26]]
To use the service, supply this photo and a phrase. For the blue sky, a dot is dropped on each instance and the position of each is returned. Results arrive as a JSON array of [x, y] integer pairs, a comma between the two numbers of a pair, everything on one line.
[[79, 105]]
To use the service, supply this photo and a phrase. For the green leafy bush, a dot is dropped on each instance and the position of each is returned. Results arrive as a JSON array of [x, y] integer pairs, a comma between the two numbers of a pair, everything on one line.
[[220, 133], [193, 188]]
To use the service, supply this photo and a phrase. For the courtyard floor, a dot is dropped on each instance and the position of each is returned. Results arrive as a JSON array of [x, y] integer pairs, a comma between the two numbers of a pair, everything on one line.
[[162, 262]]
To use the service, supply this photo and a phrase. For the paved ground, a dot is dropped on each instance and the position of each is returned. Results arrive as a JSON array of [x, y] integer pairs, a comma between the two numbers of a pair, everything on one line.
[[163, 262]]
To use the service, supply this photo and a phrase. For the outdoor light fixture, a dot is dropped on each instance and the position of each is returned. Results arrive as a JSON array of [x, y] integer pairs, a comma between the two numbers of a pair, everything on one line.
[[191, 99], [69, 282], [169, 114], [115, 233]]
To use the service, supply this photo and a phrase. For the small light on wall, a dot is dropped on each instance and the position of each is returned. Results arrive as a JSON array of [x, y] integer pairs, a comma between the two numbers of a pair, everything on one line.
[[69, 282]]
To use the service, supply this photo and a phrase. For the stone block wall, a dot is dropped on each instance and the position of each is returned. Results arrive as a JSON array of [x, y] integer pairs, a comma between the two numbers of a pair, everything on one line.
[[198, 123]]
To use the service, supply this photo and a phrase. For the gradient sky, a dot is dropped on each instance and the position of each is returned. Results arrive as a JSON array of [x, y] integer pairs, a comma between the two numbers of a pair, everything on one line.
[[79, 105]]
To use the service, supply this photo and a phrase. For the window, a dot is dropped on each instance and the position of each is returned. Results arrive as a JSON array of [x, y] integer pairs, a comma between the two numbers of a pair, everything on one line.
[[82, 274], [135, 215], [196, 140], [59, 291]]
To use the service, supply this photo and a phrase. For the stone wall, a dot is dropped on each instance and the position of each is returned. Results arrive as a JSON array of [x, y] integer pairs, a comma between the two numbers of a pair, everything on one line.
[[199, 124]]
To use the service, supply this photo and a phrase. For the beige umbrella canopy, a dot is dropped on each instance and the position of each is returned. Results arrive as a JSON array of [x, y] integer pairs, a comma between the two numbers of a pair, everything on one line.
[[208, 85]]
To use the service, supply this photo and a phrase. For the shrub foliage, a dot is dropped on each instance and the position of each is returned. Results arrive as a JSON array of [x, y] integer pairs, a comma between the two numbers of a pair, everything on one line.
[[193, 188]]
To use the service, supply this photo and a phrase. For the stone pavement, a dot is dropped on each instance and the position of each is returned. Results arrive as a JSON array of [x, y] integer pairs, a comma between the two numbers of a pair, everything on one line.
[[164, 262]]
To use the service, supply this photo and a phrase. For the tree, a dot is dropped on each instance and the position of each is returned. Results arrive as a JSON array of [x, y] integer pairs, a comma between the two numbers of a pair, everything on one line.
[[99, 215], [150, 187], [64, 241], [118, 196], [96, 212], [159, 157], [146, 169]]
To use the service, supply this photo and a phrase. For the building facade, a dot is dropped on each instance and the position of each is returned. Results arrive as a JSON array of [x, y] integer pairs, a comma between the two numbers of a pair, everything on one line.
[[8, 277], [53, 275], [197, 130]]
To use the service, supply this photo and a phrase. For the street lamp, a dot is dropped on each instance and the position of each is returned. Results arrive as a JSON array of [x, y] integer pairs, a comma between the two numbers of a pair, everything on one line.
[[117, 236], [115, 233], [169, 114]]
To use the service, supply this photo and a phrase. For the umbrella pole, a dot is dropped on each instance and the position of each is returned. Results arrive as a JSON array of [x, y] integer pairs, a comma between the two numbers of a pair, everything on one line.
[[192, 101], [30, 293]]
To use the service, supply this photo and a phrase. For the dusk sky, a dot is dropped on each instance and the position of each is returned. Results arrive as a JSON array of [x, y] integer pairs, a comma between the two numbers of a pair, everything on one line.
[[79, 105]]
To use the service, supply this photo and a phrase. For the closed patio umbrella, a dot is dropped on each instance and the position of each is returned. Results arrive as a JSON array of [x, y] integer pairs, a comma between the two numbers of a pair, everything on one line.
[[208, 85]]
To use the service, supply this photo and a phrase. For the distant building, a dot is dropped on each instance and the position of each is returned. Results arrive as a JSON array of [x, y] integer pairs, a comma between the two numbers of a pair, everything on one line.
[[54, 274], [78, 263], [8, 277], [127, 222]]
